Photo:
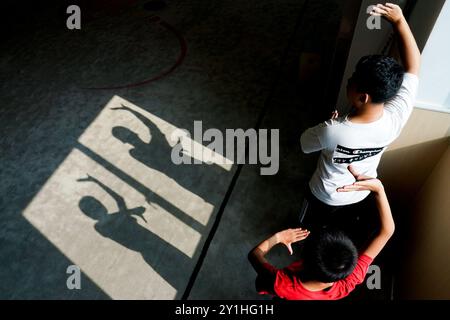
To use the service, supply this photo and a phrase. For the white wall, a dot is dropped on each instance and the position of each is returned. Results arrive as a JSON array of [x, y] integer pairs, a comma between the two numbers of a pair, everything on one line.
[[434, 89]]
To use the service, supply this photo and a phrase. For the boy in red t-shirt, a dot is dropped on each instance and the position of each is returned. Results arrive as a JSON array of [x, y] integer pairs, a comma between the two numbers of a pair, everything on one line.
[[330, 268]]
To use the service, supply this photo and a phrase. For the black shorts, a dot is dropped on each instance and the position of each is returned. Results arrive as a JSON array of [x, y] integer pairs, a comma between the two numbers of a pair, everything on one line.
[[315, 213], [359, 221]]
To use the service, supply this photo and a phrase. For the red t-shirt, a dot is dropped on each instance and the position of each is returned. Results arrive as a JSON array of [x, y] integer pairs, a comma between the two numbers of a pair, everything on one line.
[[285, 284]]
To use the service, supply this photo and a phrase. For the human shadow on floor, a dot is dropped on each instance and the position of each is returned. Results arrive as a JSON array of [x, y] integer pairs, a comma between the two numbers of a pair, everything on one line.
[[122, 227], [151, 197], [200, 179]]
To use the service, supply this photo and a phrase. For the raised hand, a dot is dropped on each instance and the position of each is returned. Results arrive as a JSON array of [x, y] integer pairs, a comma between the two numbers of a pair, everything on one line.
[[290, 236], [122, 107], [390, 11], [87, 179], [362, 183]]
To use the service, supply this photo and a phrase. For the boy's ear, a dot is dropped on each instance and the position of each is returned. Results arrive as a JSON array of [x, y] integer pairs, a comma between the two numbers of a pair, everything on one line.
[[364, 98]]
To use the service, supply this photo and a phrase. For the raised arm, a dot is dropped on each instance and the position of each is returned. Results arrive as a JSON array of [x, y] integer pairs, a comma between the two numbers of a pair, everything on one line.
[[119, 199], [257, 255], [147, 122], [387, 224], [384, 210], [409, 51]]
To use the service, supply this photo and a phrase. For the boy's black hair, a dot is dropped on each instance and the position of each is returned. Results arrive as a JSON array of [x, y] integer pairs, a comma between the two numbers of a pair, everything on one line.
[[379, 76], [328, 256]]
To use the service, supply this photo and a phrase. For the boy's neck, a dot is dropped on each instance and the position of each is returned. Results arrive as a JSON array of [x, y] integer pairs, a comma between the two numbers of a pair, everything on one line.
[[368, 113], [313, 285]]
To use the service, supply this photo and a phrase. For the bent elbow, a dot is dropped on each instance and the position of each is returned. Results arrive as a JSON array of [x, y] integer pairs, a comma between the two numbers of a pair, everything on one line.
[[303, 145], [392, 230], [389, 231], [305, 151]]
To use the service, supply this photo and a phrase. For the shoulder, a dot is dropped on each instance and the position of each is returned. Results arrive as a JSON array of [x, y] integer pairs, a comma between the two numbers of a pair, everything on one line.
[[287, 278], [408, 88], [332, 127], [410, 77], [410, 83], [336, 122], [331, 124], [360, 270], [361, 267], [286, 285], [347, 285]]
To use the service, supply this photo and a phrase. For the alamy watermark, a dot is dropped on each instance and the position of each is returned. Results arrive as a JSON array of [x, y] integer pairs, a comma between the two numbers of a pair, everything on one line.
[[374, 277], [74, 20], [235, 146], [373, 22], [74, 280]]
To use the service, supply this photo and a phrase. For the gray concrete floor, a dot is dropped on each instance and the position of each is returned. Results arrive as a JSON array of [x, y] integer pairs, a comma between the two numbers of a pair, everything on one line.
[[89, 183]]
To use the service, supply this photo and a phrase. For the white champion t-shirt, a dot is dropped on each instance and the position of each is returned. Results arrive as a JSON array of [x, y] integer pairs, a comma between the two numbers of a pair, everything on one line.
[[343, 142]]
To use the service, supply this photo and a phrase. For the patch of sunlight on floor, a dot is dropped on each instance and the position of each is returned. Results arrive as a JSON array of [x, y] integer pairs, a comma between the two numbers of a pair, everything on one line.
[[99, 139], [131, 228], [55, 211]]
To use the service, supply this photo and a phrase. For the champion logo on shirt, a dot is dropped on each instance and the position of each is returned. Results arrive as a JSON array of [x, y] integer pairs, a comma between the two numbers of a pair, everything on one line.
[[359, 154]]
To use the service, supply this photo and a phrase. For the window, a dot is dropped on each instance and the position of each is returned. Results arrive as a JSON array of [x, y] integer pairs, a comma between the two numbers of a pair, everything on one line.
[[434, 88]]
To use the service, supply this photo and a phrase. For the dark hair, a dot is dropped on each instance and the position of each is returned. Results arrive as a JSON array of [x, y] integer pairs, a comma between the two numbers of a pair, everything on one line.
[[379, 76], [329, 256]]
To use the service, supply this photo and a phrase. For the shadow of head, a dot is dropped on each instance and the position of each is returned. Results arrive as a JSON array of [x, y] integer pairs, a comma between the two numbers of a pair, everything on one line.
[[126, 135], [93, 208]]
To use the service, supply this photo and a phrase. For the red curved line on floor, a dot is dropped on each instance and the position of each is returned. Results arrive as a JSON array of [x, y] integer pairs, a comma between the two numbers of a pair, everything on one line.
[[181, 56]]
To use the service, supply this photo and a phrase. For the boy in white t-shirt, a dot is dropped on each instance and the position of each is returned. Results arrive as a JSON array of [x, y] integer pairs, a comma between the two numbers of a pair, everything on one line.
[[382, 95]]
